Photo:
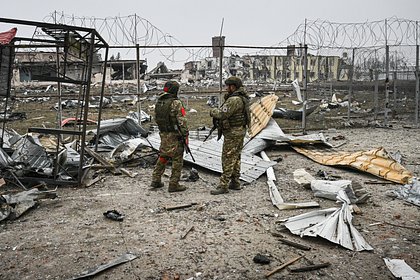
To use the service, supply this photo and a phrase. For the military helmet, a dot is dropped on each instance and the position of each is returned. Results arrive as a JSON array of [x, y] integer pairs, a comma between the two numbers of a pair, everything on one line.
[[171, 87], [233, 81]]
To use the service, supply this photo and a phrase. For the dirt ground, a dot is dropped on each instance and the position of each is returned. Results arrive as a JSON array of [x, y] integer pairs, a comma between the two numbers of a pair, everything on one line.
[[63, 237]]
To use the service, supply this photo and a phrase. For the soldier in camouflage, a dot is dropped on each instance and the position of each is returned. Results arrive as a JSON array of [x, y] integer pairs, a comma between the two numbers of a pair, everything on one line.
[[171, 119], [233, 118]]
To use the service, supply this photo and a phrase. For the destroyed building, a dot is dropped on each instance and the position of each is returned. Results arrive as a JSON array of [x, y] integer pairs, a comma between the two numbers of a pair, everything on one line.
[[30, 66], [270, 68]]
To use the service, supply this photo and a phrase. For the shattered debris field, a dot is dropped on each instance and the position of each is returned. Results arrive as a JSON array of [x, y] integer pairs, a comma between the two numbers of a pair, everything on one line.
[[217, 237]]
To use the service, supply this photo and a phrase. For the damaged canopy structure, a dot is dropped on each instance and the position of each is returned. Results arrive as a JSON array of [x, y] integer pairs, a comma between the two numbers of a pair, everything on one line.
[[72, 44]]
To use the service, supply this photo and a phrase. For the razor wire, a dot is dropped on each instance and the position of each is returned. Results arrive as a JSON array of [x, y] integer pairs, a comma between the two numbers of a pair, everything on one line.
[[321, 36], [130, 31]]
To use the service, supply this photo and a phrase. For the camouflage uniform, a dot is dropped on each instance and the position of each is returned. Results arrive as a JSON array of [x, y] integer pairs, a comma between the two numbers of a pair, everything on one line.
[[172, 121], [233, 121]]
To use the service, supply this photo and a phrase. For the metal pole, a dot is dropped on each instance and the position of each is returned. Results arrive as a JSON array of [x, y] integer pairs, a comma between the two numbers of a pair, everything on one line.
[[305, 86], [386, 75], [375, 93], [220, 73], [394, 92], [101, 100], [138, 81], [8, 89], [304, 80], [59, 111], [417, 76], [351, 85], [86, 107], [123, 77]]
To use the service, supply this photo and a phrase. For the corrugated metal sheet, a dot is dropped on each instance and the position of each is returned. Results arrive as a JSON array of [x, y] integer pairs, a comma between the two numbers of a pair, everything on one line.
[[376, 162], [272, 132], [261, 113], [333, 224], [208, 155]]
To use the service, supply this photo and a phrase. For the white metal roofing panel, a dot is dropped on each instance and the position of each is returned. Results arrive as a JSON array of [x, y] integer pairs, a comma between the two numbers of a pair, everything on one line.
[[208, 155]]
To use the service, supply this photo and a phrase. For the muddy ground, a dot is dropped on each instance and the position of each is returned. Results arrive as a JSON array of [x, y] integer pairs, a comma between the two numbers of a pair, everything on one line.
[[63, 237]]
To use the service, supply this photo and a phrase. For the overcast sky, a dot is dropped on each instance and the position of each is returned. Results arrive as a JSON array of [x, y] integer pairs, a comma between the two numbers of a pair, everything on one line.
[[246, 22]]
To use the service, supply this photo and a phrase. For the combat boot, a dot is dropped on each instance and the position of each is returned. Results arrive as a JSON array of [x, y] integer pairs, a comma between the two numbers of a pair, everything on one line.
[[219, 190], [176, 187], [156, 185], [233, 185]]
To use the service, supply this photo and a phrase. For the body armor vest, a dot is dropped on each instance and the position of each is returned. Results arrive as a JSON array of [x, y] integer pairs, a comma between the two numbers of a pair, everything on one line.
[[240, 118], [163, 118]]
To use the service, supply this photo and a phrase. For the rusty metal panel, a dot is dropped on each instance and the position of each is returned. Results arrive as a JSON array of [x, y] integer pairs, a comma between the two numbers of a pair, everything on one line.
[[376, 162], [261, 113]]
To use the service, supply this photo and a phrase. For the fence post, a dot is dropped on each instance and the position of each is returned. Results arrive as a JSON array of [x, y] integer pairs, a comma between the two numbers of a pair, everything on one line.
[[386, 85], [305, 87], [351, 85], [139, 90], [417, 75], [417, 87]]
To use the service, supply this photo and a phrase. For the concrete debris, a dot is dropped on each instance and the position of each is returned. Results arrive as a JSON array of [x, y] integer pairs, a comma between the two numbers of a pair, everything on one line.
[[401, 269], [333, 224], [408, 192], [303, 178]]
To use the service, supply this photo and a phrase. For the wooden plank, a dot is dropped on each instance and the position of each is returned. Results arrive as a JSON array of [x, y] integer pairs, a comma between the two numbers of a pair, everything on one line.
[[277, 269]]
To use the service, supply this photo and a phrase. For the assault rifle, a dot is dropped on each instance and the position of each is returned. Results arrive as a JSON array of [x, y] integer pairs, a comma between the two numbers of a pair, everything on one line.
[[187, 148], [215, 126]]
